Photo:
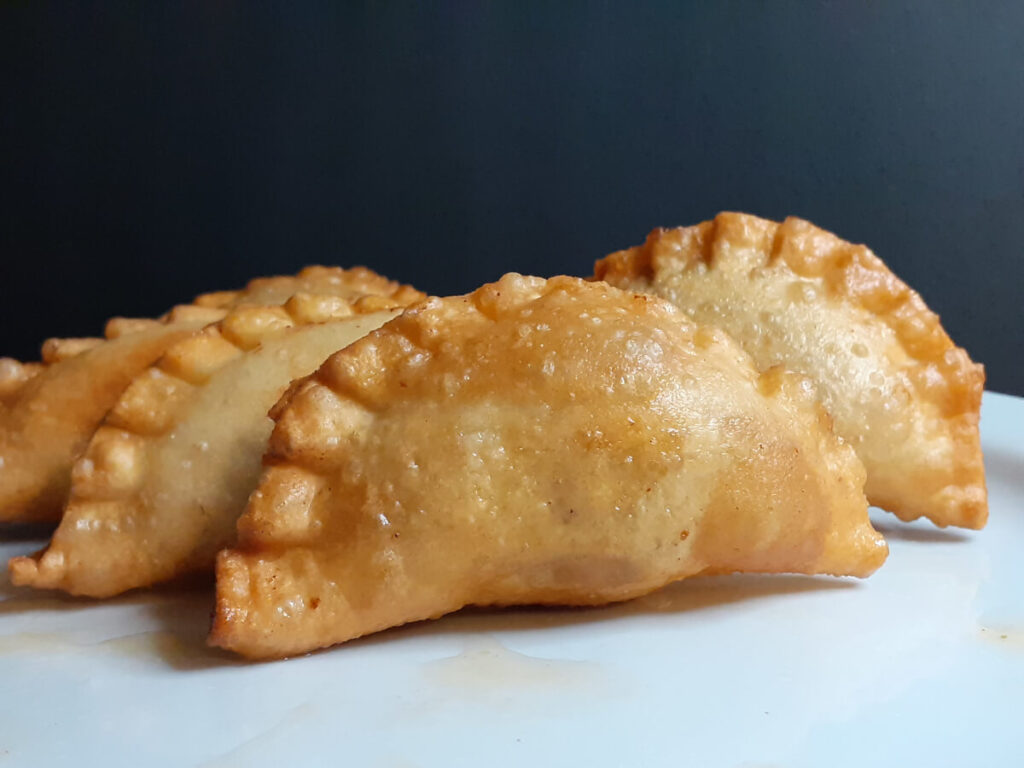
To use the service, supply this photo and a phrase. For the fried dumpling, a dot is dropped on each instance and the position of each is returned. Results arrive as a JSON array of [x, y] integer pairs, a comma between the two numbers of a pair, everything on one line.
[[163, 480], [535, 442], [900, 391], [49, 410]]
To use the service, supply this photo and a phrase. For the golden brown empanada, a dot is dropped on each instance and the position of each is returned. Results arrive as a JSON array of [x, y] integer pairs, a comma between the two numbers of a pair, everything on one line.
[[160, 487], [46, 422], [49, 410], [558, 442], [900, 391]]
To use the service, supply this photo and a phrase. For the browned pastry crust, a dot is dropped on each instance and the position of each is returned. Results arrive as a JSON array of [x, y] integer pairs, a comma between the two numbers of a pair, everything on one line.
[[901, 392], [45, 425], [13, 376], [348, 283], [159, 488], [48, 411], [537, 441]]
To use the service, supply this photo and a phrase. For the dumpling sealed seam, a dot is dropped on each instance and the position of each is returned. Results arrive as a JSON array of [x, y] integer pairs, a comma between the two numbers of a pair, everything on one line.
[[49, 411], [159, 488], [535, 442], [351, 284], [791, 294]]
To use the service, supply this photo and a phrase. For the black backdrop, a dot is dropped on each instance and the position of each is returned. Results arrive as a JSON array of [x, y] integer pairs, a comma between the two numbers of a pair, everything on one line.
[[152, 151]]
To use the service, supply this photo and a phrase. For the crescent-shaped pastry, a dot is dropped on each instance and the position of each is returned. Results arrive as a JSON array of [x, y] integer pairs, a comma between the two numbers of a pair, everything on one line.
[[48, 412], [557, 442], [163, 480], [900, 391]]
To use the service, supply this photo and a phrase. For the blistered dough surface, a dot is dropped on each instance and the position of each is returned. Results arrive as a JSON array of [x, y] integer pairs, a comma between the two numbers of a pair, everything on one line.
[[534, 442], [900, 391], [50, 411], [45, 424], [352, 284], [159, 488]]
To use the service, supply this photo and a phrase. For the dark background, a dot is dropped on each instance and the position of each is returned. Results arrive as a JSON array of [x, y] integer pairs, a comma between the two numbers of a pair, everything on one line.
[[150, 152]]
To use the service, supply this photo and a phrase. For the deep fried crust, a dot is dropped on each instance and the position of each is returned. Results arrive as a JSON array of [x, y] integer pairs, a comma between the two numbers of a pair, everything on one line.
[[13, 376], [123, 527], [350, 283], [43, 427], [879, 355], [537, 441], [48, 411]]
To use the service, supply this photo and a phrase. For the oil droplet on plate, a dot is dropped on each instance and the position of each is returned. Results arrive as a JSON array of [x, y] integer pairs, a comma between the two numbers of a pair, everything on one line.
[[486, 664], [1010, 639]]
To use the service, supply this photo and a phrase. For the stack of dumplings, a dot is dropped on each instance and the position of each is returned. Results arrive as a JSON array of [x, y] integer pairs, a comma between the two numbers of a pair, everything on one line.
[[347, 455]]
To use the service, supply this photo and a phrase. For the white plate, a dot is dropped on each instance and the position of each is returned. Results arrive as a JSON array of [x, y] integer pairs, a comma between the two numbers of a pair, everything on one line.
[[922, 664]]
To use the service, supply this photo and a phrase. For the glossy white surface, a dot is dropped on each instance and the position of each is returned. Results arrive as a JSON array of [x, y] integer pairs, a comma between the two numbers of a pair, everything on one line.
[[922, 664]]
